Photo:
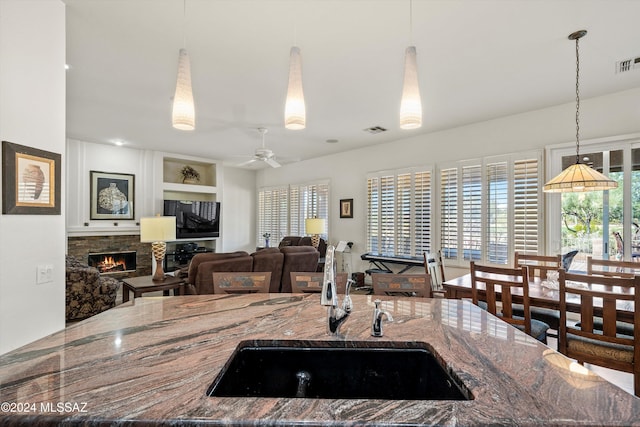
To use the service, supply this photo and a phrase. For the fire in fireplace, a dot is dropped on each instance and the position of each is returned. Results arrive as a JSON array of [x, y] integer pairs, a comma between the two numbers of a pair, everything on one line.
[[113, 262]]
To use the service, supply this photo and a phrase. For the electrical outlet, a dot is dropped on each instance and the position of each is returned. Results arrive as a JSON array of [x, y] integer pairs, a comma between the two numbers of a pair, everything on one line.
[[44, 274]]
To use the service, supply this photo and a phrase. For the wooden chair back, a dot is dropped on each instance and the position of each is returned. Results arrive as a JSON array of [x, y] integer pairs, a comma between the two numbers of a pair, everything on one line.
[[434, 267], [500, 284], [611, 268], [241, 282], [418, 285], [305, 282], [538, 265], [600, 299]]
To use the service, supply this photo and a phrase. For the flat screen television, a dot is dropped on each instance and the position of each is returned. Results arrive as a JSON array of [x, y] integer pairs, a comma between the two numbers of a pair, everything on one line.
[[194, 218]]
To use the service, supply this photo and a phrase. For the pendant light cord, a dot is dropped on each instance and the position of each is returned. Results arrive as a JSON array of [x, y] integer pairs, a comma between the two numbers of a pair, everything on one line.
[[577, 102], [184, 24], [411, 22]]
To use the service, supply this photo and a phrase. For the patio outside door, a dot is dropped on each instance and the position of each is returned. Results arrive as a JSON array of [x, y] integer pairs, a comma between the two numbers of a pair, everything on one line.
[[594, 222]]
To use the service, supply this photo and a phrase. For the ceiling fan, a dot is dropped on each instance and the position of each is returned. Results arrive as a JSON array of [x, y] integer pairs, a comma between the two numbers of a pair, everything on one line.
[[263, 154]]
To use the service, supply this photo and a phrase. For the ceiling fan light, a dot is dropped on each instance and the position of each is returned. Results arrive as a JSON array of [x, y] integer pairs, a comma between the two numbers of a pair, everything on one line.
[[183, 112], [411, 104], [294, 109]]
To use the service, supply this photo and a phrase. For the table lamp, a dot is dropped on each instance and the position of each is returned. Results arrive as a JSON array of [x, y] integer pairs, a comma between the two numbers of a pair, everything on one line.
[[314, 227], [158, 230]]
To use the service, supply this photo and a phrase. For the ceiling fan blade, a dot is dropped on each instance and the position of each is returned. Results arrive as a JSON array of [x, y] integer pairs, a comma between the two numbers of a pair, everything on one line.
[[271, 162], [248, 162]]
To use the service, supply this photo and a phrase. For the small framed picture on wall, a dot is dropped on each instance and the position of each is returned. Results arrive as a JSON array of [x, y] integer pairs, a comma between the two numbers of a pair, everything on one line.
[[30, 180], [346, 208]]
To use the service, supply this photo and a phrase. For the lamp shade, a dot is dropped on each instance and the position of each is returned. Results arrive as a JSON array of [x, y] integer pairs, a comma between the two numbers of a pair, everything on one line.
[[294, 109], [411, 104], [157, 229], [314, 225], [183, 116], [579, 178]]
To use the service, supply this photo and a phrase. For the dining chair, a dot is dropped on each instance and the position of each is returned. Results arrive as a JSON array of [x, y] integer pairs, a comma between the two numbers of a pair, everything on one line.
[[500, 284], [612, 268], [311, 282], [434, 267], [538, 266], [418, 285], [241, 282], [600, 299]]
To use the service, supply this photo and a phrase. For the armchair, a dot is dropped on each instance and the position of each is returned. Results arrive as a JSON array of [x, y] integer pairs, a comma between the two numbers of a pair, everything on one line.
[[87, 292]]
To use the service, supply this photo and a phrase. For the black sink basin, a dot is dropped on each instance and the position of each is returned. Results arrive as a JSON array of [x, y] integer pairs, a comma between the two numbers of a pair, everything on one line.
[[330, 370]]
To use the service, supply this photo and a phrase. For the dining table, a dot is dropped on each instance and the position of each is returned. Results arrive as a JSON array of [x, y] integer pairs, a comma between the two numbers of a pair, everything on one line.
[[541, 294]]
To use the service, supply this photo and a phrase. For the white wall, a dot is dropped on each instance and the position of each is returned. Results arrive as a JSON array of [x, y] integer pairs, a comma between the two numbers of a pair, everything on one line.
[[614, 114], [32, 113], [238, 210]]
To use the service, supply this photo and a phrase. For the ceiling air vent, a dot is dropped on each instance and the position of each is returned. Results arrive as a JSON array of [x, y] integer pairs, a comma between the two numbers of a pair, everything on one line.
[[375, 129], [628, 65]]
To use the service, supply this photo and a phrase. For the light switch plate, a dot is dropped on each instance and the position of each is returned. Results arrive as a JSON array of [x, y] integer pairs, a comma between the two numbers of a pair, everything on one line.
[[44, 274]]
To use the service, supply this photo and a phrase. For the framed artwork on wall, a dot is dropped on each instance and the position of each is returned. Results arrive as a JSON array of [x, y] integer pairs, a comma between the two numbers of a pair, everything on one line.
[[112, 195], [346, 208], [30, 180]]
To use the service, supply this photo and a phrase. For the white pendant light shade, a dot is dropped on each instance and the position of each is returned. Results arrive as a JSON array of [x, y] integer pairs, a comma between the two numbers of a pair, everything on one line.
[[294, 109], [411, 104], [183, 116], [579, 178]]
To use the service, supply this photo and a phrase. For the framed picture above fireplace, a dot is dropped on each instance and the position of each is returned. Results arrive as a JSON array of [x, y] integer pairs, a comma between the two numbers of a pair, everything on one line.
[[30, 180], [112, 195]]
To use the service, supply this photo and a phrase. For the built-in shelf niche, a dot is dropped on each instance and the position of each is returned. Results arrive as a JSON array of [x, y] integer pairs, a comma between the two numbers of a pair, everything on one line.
[[171, 173]]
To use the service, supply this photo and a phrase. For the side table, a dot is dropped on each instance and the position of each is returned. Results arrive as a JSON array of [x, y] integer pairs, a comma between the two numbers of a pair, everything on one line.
[[142, 284]]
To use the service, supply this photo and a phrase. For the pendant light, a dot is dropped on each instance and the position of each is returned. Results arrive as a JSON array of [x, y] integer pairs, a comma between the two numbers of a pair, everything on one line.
[[410, 104], [578, 177], [183, 114], [294, 109]]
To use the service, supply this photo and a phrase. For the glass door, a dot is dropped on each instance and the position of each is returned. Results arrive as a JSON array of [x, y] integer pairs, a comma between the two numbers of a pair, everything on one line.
[[593, 222]]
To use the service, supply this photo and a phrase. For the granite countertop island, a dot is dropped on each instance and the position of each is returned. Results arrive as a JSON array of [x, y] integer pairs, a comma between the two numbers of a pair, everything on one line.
[[151, 361]]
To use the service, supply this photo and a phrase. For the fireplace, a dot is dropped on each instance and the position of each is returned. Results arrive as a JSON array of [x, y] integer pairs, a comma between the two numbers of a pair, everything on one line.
[[113, 262]]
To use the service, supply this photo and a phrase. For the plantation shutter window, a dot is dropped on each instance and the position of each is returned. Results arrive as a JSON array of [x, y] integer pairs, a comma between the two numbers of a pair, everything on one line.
[[399, 212]]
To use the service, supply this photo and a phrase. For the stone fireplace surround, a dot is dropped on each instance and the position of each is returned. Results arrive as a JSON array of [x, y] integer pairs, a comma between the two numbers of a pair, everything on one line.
[[81, 246]]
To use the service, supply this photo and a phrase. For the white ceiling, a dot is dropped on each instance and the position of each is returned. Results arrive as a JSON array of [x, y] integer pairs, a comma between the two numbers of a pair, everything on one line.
[[477, 60]]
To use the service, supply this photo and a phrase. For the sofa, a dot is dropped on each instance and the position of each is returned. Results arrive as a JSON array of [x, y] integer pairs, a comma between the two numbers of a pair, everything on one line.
[[306, 241], [280, 262], [87, 292], [199, 272], [270, 259], [297, 258]]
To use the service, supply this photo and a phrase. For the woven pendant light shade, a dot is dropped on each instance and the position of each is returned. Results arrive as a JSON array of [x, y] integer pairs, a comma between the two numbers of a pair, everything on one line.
[[411, 104], [183, 116], [294, 109]]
